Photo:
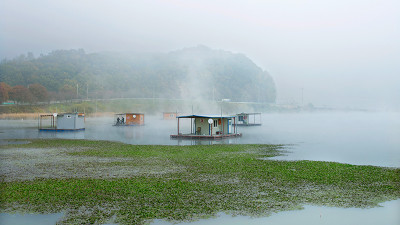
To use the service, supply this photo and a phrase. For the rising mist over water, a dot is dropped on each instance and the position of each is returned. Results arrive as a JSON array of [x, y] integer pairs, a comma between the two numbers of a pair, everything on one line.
[[330, 53], [362, 138]]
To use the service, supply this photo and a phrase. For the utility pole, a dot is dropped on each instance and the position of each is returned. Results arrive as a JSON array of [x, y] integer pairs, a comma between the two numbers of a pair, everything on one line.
[[87, 91], [77, 88], [213, 94]]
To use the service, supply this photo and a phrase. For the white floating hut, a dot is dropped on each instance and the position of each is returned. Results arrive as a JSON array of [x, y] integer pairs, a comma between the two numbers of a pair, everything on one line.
[[62, 122]]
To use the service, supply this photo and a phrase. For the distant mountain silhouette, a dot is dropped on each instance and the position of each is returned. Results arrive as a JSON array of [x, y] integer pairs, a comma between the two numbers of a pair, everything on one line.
[[196, 73]]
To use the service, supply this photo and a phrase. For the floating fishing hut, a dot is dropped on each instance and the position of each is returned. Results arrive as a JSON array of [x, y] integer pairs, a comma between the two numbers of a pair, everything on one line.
[[129, 119], [170, 115], [208, 127], [62, 122], [248, 119]]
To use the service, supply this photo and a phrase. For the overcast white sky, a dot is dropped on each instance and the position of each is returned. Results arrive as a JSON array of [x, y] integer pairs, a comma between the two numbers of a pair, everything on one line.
[[343, 53]]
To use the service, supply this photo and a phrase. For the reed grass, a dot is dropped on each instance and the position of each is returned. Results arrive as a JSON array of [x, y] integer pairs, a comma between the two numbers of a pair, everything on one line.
[[34, 116], [19, 116]]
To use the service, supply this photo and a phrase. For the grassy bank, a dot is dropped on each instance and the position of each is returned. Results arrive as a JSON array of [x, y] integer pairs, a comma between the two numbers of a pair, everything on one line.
[[94, 181]]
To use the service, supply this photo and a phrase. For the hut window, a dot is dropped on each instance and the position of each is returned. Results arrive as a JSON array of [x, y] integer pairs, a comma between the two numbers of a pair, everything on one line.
[[68, 116], [215, 123]]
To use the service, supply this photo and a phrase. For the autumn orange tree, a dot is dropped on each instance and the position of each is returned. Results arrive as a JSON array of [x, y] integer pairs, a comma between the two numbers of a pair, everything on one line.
[[4, 89], [20, 94]]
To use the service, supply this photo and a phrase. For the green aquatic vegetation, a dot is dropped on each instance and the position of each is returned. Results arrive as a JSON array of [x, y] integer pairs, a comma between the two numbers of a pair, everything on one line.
[[97, 181]]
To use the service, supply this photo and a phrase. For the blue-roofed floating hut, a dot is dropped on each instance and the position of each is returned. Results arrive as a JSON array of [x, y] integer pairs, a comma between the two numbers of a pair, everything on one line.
[[208, 127]]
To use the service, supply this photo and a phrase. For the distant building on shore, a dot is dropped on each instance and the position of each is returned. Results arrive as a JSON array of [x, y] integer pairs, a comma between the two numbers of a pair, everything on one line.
[[170, 115], [248, 119]]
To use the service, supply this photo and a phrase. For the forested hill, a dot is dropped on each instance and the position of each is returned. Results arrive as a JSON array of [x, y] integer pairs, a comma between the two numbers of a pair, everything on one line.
[[198, 72]]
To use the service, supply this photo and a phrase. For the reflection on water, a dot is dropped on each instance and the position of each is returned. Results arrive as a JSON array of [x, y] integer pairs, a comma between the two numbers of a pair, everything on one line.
[[310, 215]]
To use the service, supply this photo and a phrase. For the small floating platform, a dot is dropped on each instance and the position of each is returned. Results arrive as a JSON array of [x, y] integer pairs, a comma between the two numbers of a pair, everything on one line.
[[193, 136], [60, 130], [128, 125]]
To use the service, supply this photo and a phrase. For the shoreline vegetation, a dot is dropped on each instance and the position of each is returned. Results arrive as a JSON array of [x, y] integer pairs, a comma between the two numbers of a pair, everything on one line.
[[34, 116], [107, 107], [95, 182], [93, 107]]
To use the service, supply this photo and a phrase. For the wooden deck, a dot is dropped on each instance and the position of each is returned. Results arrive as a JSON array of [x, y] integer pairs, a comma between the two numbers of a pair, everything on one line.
[[128, 125], [193, 136], [247, 125]]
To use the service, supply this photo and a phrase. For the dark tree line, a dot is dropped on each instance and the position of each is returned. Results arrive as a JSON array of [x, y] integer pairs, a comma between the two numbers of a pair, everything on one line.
[[197, 72], [21, 94]]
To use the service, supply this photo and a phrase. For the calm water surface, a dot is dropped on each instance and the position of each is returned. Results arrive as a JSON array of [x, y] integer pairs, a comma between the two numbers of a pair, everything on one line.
[[29, 219], [362, 138], [356, 137], [311, 215]]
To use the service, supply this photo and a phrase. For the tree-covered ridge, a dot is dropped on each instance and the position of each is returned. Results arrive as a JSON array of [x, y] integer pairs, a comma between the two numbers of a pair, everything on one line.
[[199, 72]]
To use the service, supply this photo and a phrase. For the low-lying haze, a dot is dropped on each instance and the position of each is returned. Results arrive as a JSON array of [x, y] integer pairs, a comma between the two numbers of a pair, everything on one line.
[[328, 53]]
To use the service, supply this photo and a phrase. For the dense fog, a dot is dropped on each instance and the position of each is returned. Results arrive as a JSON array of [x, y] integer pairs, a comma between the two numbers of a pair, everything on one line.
[[341, 54]]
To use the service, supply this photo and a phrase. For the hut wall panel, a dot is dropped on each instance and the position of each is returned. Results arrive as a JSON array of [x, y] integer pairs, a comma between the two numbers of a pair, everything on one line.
[[203, 124], [80, 122], [70, 122]]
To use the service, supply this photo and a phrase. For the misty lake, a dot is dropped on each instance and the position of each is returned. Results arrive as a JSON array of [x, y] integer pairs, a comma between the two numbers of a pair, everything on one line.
[[361, 138]]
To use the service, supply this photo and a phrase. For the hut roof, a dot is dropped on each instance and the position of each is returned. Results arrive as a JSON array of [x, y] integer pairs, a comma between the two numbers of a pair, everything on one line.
[[206, 116], [248, 113], [61, 114], [68, 113], [129, 113]]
